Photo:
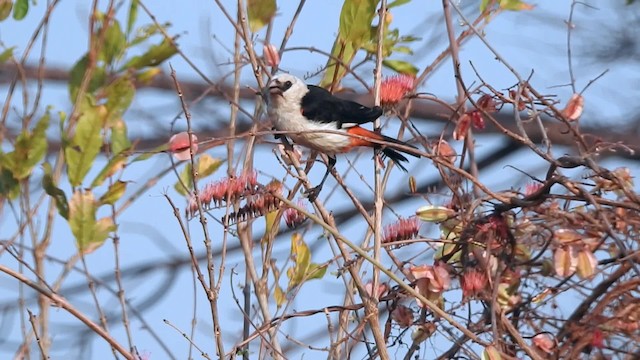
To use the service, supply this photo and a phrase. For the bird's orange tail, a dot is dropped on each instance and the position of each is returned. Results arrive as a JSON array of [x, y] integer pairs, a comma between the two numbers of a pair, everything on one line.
[[393, 154]]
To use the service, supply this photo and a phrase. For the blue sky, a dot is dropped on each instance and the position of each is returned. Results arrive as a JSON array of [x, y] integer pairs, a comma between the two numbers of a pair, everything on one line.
[[150, 234]]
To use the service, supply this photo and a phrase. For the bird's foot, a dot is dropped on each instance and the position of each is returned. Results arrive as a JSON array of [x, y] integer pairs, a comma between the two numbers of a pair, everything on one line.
[[312, 194], [276, 136]]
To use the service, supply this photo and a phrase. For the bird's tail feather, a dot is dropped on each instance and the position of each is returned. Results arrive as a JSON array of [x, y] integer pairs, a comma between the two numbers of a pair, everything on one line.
[[394, 154]]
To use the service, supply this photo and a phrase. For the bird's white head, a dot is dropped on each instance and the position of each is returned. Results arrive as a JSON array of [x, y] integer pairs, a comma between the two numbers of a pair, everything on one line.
[[286, 89]]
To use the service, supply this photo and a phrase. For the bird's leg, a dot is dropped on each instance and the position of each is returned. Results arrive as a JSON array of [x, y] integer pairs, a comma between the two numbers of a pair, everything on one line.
[[313, 193]]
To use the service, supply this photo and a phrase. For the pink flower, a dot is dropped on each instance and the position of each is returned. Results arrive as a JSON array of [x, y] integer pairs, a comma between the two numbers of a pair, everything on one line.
[[382, 289], [294, 218], [431, 281], [395, 88], [271, 55], [532, 188], [179, 145], [403, 316], [403, 229], [473, 282], [544, 342], [215, 194]]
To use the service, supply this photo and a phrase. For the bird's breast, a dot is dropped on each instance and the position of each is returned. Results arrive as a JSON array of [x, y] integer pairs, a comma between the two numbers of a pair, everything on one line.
[[312, 134]]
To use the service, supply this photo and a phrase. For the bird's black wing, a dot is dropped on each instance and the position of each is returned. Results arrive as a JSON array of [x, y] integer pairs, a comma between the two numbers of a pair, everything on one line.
[[319, 105]]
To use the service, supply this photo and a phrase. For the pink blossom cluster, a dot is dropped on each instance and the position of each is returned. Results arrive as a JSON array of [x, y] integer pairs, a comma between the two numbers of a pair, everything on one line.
[[257, 205], [230, 188], [394, 88], [294, 218], [403, 229]]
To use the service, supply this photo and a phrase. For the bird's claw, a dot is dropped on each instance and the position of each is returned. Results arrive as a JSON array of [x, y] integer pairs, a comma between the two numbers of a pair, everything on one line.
[[276, 136], [312, 194]]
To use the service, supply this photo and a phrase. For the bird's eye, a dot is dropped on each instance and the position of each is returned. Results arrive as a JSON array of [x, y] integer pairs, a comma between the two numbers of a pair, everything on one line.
[[287, 85]]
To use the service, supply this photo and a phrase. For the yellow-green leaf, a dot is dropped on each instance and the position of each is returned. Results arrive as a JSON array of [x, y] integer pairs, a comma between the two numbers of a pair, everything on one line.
[[89, 233], [402, 67], [491, 353], [302, 269], [270, 222], [77, 73], [85, 144], [483, 5], [397, 3], [316, 271], [119, 139], [206, 165], [279, 296], [30, 148], [114, 193], [8, 52], [260, 13], [55, 192], [515, 5], [101, 232], [119, 95], [9, 186], [114, 165], [132, 16], [82, 217], [356, 17], [156, 55], [114, 43], [147, 76], [301, 257], [20, 9], [5, 8]]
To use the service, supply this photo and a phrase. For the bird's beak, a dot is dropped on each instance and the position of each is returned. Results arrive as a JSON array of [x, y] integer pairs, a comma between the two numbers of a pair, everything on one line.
[[275, 89]]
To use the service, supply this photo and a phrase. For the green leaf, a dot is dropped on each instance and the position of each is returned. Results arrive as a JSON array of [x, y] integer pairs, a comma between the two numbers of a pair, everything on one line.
[[20, 9], [301, 257], [316, 271], [483, 5], [119, 139], [114, 193], [147, 31], [114, 44], [85, 144], [6, 54], [206, 165], [302, 269], [515, 5], [114, 165], [278, 294], [149, 153], [402, 67], [5, 8], [82, 218], [119, 95], [490, 353], [154, 56], [89, 233], [76, 75], [9, 186], [30, 149], [132, 16], [55, 192], [397, 3], [101, 232], [184, 181], [356, 17], [260, 13]]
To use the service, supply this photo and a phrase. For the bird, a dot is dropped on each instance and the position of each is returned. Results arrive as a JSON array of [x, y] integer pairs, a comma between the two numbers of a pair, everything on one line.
[[313, 117]]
